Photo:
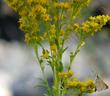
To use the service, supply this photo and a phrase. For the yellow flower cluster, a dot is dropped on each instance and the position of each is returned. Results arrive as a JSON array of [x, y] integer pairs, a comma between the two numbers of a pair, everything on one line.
[[31, 12], [34, 12], [39, 12], [66, 74], [45, 54], [31, 29], [38, 9], [41, 2], [101, 19], [76, 27], [62, 5], [95, 23], [70, 83], [92, 25], [46, 17], [87, 86], [53, 49], [52, 30]]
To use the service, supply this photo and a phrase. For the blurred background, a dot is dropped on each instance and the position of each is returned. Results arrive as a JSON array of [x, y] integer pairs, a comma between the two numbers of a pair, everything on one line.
[[19, 71]]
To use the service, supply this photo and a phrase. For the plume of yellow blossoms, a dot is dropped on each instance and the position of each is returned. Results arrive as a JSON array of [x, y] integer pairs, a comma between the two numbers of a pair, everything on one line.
[[87, 86], [91, 26], [70, 83]]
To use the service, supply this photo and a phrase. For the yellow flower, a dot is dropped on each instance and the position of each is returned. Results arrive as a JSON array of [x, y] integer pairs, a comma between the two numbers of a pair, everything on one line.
[[92, 25], [83, 86], [85, 27], [62, 32], [76, 27], [95, 26], [38, 10], [41, 2], [101, 19], [72, 84], [70, 73], [46, 18], [66, 74], [45, 54], [83, 89], [52, 29], [90, 84], [53, 47], [62, 5]]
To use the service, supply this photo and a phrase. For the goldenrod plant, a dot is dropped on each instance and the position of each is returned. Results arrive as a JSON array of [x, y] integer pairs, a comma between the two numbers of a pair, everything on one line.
[[52, 21]]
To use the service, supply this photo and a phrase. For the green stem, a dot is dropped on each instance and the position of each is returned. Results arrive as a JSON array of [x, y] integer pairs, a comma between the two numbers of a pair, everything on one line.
[[79, 46], [37, 56], [56, 84], [42, 69]]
